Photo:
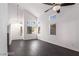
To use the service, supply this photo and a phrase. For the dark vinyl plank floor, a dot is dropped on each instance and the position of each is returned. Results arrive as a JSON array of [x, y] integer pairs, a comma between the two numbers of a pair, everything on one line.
[[38, 48]]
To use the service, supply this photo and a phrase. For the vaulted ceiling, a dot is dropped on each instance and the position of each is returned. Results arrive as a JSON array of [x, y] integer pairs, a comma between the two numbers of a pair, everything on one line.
[[35, 8]]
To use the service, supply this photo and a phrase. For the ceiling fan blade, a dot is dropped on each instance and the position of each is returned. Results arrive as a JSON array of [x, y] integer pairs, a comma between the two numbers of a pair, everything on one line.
[[48, 9], [49, 3], [67, 4]]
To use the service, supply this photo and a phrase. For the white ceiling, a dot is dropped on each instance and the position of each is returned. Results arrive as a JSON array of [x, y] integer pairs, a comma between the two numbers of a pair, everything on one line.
[[35, 8]]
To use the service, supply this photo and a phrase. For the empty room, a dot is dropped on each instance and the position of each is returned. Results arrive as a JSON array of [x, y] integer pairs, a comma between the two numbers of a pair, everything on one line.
[[39, 29]]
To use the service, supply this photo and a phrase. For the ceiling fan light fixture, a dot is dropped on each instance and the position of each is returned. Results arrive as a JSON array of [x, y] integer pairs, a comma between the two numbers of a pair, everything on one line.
[[58, 11], [56, 8]]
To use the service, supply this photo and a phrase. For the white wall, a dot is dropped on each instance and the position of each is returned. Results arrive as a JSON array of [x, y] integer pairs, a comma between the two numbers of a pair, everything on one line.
[[67, 26], [18, 16], [28, 16], [16, 20], [44, 27], [3, 28]]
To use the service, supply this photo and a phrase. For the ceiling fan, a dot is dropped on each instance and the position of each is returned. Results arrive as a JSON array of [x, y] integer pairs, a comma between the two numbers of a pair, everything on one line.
[[57, 6]]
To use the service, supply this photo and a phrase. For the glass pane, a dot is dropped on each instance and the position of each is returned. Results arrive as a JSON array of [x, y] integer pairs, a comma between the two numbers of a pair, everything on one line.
[[29, 30], [53, 29]]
